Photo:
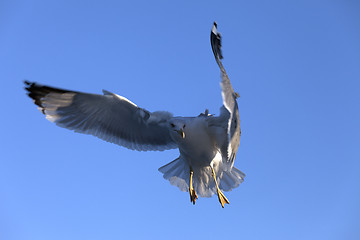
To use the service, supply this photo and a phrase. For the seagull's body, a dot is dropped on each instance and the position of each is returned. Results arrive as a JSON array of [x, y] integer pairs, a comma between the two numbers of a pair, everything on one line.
[[207, 144]]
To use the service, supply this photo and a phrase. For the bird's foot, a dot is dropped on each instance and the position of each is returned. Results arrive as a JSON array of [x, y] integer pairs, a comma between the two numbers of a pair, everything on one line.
[[193, 195], [222, 198]]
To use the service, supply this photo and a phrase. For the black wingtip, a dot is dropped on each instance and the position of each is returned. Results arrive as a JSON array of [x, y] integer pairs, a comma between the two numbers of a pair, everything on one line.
[[32, 90], [27, 83], [215, 39], [38, 92], [28, 87]]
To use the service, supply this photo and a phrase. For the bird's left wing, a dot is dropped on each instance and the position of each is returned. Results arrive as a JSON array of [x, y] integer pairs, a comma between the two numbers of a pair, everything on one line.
[[229, 111], [110, 117]]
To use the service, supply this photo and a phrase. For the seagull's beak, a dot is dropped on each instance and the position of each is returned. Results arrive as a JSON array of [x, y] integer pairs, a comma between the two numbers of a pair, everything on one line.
[[181, 132]]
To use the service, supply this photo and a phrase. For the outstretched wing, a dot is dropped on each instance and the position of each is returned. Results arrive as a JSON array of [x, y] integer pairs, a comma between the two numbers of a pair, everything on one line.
[[229, 110], [110, 117]]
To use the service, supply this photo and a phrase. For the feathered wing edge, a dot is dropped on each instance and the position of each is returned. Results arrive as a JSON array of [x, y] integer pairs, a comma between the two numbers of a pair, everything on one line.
[[109, 117], [229, 109]]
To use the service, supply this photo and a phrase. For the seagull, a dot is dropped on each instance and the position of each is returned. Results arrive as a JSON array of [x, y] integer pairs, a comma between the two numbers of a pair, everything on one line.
[[207, 144]]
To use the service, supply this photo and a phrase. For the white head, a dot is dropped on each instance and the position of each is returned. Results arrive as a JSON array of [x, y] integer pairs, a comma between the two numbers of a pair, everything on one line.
[[177, 129]]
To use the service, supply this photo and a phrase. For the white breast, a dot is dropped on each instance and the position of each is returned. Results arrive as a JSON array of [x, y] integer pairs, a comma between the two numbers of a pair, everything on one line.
[[198, 147]]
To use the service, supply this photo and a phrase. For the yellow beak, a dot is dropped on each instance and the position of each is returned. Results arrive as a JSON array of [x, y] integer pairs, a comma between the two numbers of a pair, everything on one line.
[[181, 132]]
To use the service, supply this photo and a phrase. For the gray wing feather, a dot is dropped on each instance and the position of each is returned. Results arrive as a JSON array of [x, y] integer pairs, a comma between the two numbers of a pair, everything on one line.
[[110, 117], [229, 110]]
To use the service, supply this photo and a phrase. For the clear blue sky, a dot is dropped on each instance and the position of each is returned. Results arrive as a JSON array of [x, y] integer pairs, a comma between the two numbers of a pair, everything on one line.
[[296, 65]]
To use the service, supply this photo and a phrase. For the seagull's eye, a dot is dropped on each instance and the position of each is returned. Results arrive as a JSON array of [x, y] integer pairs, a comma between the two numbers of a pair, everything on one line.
[[172, 125]]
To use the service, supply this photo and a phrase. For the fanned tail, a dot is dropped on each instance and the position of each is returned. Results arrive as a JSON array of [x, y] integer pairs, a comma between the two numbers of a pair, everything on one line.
[[178, 174], [231, 179]]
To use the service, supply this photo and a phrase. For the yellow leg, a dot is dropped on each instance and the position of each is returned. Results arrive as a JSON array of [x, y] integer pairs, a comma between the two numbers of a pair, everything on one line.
[[193, 195], [221, 196]]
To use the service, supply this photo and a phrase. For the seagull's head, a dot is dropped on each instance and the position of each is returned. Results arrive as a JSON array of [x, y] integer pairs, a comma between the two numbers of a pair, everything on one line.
[[177, 128]]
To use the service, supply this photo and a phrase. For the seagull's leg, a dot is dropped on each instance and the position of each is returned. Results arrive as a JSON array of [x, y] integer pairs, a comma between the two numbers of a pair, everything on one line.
[[193, 195], [221, 196]]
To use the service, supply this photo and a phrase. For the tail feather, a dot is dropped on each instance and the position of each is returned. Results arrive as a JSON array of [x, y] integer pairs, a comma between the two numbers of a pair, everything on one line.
[[169, 169], [178, 173], [231, 179], [203, 182]]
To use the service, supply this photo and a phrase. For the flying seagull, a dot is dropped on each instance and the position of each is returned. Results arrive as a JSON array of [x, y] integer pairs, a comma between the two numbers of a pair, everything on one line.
[[207, 144]]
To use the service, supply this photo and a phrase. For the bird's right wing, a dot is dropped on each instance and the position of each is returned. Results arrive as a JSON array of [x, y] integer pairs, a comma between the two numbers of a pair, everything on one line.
[[110, 117], [229, 112]]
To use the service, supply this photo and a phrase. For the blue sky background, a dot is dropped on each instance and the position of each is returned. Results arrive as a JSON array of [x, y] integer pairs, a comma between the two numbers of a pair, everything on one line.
[[296, 65]]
